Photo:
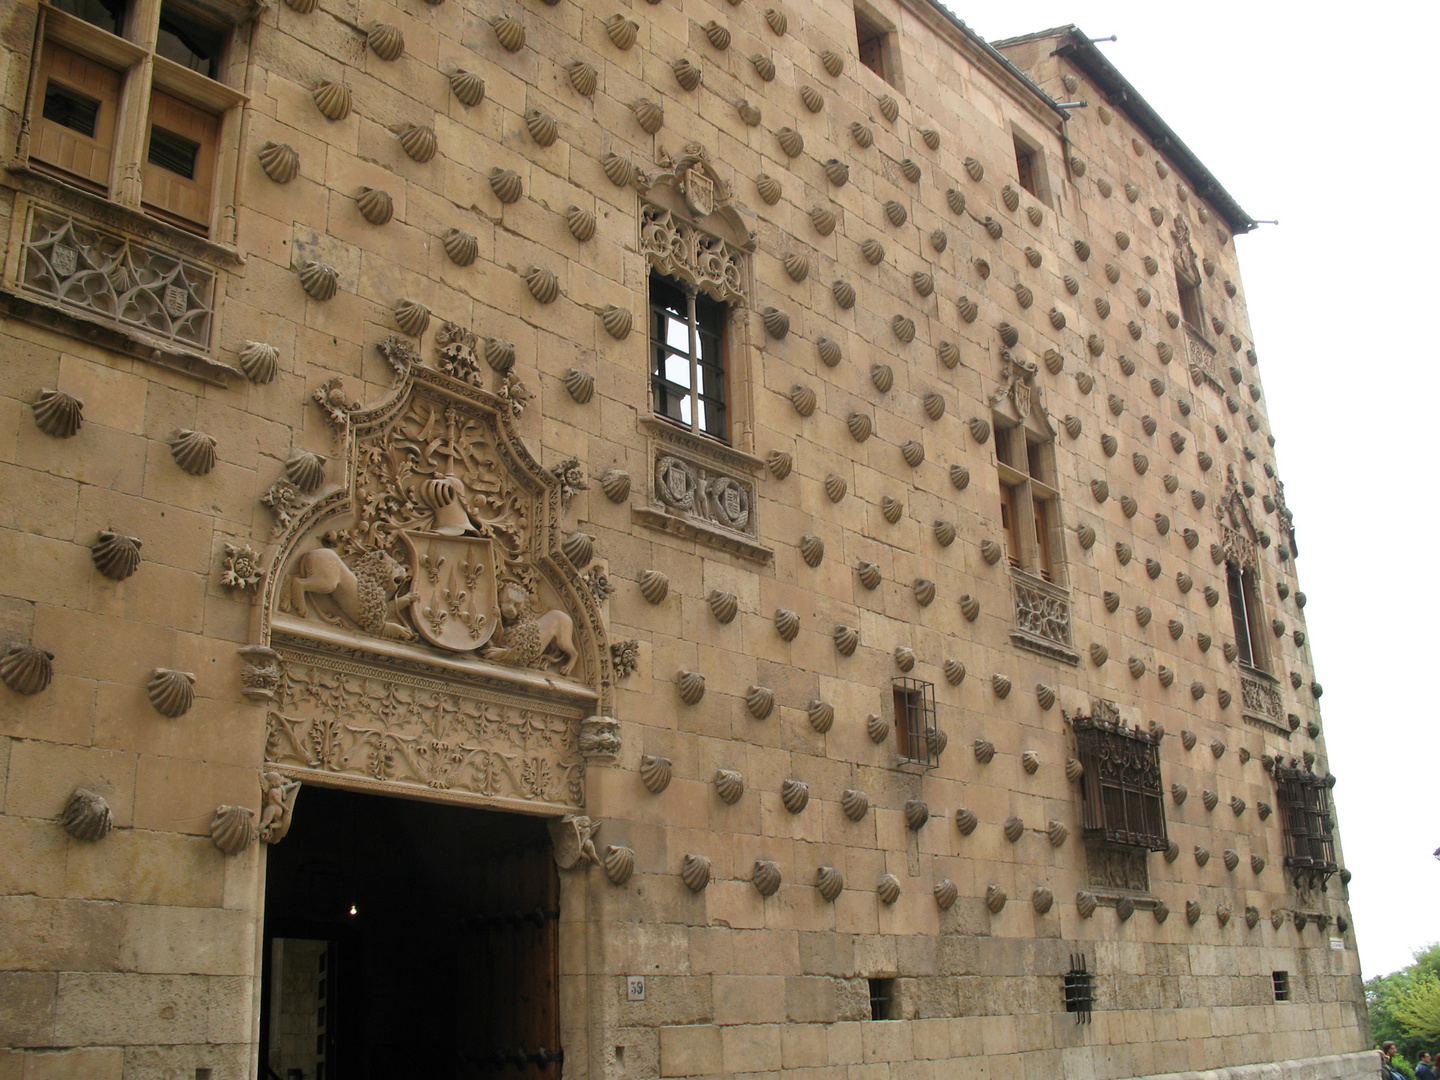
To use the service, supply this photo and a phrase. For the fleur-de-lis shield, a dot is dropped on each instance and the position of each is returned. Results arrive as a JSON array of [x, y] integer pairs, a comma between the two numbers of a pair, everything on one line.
[[456, 605]]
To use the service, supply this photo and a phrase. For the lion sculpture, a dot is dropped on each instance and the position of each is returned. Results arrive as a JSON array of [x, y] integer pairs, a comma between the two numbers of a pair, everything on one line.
[[524, 638], [363, 594]]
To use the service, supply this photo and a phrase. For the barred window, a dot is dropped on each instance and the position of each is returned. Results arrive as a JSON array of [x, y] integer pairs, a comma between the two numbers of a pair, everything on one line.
[[917, 736], [1121, 798], [1309, 828]]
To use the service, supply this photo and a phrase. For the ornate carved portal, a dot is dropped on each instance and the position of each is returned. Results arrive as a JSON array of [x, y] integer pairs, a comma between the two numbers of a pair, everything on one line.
[[431, 633]]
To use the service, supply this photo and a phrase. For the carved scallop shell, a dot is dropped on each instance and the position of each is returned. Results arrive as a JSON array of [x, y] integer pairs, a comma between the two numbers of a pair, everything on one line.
[[791, 141], [509, 32], [891, 509], [969, 310], [619, 863], [318, 280], [417, 141], [1112, 601], [803, 399], [171, 692], [855, 804], [1086, 535], [615, 482], [812, 98], [26, 669], [375, 206], [583, 77], [412, 318], [830, 882], [544, 286], [787, 624], [794, 795], [766, 877], [581, 224], [719, 36], [889, 107], [233, 829], [990, 551], [829, 351], [873, 251], [777, 324], [691, 685], [777, 21], [847, 638], [695, 872], [655, 773], [1024, 295], [332, 99], [1046, 696], [764, 66], [649, 114], [877, 727], [1054, 362], [939, 240], [729, 785], [258, 360], [87, 816], [306, 470], [824, 220], [835, 487], [689, 75], [910, 170], [896, 213], [723, 605], [654, 586], [945, 893], [280, 161], [888, 888], [944, 533], [797, 266], [579, 548], [193, 451], [869, 574], [779, 464], [506, 184], [844, 294], [979, 429], [620, 170], [461, 247], [621, 31], [913, 452]]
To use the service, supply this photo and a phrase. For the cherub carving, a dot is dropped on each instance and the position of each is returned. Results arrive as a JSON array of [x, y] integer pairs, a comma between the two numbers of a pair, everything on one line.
[[363, 595], [278, 807]]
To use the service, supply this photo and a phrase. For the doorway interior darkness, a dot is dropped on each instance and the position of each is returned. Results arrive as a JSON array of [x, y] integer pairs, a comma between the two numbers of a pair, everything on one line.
[[409, 938]]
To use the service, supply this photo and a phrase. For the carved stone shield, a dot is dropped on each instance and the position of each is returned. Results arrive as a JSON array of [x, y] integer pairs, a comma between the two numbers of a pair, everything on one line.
[[699, 192], [456, 605], [1020, 395]]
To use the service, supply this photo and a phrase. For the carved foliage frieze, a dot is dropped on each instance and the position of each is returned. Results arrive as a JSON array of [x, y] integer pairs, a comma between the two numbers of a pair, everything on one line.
[[688, 228], [337, 716]]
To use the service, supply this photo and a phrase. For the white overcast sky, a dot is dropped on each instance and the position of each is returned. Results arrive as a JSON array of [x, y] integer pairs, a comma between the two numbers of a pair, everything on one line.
[[1305, 115]]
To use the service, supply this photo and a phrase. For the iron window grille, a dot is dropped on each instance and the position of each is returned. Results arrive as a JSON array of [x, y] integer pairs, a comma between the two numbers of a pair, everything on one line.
[[1120, 794], [1304, 800], [1281, 982], [917, 734], [1079, 990], [882, 999]]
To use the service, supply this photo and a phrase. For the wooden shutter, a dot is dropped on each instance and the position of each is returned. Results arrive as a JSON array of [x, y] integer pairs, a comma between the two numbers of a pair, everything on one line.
[[83, 159], [184, 201]]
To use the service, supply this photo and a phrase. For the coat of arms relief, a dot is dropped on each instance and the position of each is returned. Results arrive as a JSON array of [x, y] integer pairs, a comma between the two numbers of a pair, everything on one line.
[[431, 630]]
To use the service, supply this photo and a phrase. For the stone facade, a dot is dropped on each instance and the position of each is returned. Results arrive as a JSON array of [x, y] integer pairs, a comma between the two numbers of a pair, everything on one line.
[[408, 525]]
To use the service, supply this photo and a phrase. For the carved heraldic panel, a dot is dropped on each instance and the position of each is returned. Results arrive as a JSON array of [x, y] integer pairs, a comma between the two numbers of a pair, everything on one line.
[[1042, 617]]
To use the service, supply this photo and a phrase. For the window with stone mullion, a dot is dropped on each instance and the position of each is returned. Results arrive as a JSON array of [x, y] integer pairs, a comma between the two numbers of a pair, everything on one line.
[[687, 376]]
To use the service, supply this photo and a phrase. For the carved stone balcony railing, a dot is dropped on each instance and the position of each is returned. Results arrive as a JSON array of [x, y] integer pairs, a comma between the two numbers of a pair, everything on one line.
[[1201, 354], [123, 288], [1042, 618], [1260, 702]]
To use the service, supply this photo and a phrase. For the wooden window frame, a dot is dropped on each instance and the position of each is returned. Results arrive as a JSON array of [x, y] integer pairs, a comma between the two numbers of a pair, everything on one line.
[[1030, 501], [145, 78], [876, 44]]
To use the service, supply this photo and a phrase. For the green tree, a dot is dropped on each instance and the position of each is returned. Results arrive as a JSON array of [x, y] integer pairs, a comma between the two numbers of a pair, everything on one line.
[[1417, 1008], [1386, 995]]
